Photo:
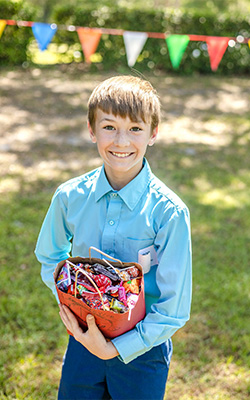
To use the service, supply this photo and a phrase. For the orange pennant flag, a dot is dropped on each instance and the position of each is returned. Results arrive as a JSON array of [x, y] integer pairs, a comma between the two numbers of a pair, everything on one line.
[[89, 39], [2, 26], [216, 47], [249, 43]]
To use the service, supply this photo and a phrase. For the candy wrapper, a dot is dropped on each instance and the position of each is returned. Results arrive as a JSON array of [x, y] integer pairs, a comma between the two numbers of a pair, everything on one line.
[[111, 291], [64, 278]]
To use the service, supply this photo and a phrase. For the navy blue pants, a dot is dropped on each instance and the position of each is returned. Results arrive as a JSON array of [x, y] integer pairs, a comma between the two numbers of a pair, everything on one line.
[[86, 377]]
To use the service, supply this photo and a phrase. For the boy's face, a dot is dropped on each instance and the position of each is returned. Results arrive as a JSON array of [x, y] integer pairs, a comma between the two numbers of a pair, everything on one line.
[[122, 145]]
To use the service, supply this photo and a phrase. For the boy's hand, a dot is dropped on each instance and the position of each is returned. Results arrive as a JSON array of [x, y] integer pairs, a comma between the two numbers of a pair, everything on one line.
[[93, 339]]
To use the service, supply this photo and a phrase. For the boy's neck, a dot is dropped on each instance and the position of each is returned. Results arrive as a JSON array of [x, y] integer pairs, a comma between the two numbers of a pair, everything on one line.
[[118, 181]]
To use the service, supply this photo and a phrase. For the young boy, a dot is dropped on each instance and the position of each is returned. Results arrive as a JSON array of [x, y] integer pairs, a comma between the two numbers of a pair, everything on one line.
[[124, 210]]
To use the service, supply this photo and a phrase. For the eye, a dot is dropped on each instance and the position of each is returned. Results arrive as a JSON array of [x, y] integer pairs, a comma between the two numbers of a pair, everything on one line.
[[135, 129], [108, 128]]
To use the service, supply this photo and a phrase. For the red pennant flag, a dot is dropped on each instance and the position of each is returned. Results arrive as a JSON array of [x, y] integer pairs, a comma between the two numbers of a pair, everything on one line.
[[89, 39], [216, 47]]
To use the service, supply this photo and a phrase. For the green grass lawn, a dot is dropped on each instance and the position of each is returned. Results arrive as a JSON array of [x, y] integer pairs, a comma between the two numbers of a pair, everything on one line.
[[202, 154]]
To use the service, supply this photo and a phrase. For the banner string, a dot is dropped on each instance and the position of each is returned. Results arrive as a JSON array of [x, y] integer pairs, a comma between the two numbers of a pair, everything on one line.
[[120, 32]]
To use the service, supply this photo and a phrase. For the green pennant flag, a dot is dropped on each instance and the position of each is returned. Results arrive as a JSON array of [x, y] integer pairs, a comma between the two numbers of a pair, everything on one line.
[[176, 46]]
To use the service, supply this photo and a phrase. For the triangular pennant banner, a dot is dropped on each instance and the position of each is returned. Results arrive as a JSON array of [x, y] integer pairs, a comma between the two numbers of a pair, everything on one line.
[[43, 33], [2, 26], [216, 47], [89, 39], [134, 42], [176, 46]]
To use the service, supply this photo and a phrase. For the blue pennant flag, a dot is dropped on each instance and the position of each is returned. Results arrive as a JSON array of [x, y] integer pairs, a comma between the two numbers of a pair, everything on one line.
[[44, 33]]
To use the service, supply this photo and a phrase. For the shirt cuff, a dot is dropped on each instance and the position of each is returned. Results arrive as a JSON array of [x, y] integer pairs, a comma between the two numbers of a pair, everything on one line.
[[129, 346]]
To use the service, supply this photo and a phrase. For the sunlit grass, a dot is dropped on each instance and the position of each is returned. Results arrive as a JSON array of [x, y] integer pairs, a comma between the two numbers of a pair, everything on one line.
[[211, 353]]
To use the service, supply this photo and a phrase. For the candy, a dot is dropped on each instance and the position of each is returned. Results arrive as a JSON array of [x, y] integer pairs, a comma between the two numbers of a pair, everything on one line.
[[82, 290], [107, 270], [124, 275], [95, 302], [88, 286], [132, 286], [119, 293], [71, 289], [132, 300], [64, 279], [128, 273], [113, 290], [122, 295], [102, 281], [118, 306], [133, 272], [88, 267]]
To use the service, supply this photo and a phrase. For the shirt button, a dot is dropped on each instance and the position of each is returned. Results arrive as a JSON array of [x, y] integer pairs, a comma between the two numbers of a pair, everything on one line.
[[114, 194], [111, 222]]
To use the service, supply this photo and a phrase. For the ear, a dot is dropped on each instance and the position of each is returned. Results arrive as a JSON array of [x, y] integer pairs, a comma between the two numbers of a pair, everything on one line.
[[91, 133], [153, 137]]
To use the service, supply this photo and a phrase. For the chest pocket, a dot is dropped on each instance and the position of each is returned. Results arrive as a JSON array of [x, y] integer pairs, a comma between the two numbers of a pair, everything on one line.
[[131, 247]]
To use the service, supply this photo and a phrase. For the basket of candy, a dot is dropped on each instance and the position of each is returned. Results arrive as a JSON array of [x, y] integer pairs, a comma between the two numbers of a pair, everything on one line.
[[111, 291]]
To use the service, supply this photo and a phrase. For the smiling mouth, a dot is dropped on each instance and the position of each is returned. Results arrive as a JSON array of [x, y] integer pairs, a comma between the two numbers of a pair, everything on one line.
[[120, 155]]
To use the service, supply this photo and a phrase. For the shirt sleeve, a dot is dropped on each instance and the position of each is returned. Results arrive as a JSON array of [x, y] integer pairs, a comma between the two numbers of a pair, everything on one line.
[[54, 240], [174, 280]]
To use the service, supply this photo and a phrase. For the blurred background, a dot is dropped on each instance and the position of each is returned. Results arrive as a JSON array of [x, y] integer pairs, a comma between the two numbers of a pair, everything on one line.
[[216, 18], [202, 154]]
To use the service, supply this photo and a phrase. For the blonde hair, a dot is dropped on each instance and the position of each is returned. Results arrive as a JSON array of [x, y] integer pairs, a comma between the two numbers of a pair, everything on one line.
[[126, 96]]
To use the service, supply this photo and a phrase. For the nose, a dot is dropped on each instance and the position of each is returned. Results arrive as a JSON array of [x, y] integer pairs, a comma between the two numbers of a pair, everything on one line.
[[121, 138]]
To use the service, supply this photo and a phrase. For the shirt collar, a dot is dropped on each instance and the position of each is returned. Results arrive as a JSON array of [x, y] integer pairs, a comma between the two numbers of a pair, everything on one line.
[[132, 192], [102, 185]]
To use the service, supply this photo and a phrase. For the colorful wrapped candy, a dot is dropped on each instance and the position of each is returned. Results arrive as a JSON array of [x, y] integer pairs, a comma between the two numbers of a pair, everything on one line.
[[132, 300], [115, 312], [64, 278], [133, 272], [117, 306], [122, 294], [132, 286], [101, 287], [127, 273], [124, 275], [102, 281], [107, 270]]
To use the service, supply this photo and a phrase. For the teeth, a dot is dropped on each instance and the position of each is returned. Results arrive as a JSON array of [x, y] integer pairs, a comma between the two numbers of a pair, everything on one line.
[[121, 155]]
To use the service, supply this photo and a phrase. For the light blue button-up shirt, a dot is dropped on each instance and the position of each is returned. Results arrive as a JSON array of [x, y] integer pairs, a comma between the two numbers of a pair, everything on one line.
[[86, 211]]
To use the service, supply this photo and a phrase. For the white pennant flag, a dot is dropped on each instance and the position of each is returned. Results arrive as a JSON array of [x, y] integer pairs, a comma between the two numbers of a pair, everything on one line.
[[134, 42]]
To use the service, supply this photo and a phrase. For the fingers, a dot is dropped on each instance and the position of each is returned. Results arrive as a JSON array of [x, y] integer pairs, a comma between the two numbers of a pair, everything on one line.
[[64, 316], [68, 318], [92, 327], [71, 323], [90, 319]]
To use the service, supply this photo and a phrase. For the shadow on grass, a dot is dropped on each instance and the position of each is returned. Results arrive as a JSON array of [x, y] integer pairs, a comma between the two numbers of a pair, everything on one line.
[[213, 181]]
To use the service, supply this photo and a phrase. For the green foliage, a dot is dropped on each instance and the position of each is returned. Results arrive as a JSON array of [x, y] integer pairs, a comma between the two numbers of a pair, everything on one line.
[[111, 50], [155, 53], [14, 40]]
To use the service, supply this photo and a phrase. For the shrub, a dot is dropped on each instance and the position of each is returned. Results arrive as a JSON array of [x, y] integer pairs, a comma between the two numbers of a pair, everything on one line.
[[111, 50], [14, 40], [155, 53]]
